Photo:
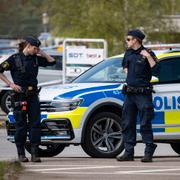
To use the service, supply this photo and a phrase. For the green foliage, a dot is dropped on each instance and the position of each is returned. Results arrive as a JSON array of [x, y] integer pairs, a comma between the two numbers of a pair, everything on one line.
[[19, 18], [108, 19], [9, 170], [2, 169]]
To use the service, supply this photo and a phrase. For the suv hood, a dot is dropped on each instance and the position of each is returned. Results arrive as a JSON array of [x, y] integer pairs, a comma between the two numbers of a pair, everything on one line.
[[71, 90]]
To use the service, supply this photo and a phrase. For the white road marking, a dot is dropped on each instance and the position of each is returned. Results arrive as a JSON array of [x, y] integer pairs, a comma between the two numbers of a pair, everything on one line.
[[73, 168], [81, 173], [108, 173], [147, 171], [78, 169], [68, 165]]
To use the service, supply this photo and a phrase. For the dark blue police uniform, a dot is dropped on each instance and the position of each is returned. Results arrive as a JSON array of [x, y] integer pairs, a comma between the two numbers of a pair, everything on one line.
[[24, 71], [139, 76]]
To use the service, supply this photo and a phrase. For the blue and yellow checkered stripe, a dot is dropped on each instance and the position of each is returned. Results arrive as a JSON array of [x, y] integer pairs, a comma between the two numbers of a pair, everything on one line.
[[167, 121]]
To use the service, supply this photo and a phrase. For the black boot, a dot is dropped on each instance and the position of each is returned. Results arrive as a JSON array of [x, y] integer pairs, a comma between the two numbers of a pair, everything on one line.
[[148, 155], [21, 153], [126, 157], [35, 158], [23, 158], [34, 154]]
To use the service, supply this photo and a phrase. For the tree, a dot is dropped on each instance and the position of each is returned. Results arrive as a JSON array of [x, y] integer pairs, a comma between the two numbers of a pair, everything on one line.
[[109, 19], [19, 18]]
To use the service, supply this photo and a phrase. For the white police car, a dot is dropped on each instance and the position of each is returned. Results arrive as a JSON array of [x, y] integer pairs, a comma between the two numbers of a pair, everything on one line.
[[87, 112]]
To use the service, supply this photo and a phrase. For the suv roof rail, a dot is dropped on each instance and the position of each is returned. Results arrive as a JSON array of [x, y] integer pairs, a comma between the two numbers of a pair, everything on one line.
[[164, 46]]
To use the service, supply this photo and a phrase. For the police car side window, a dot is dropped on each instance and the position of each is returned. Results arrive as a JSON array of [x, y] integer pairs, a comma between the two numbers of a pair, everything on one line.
[[169, 71]]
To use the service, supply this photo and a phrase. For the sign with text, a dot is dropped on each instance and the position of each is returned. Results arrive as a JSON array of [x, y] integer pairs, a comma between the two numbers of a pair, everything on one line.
[[83, 55]]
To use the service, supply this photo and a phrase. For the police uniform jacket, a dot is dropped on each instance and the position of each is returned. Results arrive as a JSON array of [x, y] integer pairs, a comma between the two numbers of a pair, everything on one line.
[[24, 69], [139, 70]]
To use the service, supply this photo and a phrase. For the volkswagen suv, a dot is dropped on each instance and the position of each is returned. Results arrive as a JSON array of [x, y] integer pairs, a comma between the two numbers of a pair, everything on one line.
[[88, 111]]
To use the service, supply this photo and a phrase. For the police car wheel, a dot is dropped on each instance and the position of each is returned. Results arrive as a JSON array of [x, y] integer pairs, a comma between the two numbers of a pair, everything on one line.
[[103, 137], [47, 150], [176, 147], [6, 102]]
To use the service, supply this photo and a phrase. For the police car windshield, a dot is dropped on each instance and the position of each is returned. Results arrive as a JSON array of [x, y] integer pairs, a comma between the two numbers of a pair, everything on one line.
[[109, 71]]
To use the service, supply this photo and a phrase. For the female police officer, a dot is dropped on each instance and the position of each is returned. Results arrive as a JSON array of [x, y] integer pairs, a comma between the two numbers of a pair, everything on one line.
[[138, 63], [24, 70]]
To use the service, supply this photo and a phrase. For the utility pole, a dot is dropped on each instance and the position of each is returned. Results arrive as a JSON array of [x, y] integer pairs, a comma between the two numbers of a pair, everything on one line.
[[45, 21]]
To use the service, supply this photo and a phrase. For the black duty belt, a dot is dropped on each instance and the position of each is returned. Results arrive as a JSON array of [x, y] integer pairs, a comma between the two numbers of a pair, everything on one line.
[[137, 90], [27, 91]]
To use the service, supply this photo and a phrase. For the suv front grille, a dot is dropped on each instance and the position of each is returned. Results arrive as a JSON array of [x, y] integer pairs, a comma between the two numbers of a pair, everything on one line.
[[50, 128]]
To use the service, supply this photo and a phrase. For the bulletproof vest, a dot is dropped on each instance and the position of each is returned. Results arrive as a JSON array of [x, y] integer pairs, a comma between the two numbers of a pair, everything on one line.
[[20, 65]]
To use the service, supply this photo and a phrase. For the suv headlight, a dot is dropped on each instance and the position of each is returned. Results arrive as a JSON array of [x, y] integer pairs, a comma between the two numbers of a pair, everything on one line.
[[65, 104]]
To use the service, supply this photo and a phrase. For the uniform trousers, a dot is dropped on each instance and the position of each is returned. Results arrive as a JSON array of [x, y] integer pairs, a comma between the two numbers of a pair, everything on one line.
[[137, 106], [27, 122]]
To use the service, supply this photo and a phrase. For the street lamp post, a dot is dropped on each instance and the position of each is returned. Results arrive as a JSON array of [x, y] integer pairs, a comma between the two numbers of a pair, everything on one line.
[[45, 21]]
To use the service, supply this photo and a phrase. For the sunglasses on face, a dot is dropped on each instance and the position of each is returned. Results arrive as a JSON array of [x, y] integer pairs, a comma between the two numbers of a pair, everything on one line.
[[129, 39]]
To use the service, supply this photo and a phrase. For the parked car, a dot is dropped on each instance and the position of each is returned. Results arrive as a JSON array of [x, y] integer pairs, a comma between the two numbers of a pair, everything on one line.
[[88, 111]]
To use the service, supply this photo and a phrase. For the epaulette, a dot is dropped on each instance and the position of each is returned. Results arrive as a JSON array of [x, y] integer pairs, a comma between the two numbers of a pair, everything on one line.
[[15, 55]]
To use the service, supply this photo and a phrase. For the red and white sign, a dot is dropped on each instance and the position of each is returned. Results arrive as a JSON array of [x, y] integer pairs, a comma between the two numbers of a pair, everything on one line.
[[82, 55]]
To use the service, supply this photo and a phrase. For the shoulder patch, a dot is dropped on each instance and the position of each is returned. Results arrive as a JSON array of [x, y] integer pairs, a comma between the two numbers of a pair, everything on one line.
[[5, 65]]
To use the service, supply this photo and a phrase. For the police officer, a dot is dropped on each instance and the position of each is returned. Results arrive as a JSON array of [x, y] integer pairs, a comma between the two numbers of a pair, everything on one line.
[[138, 63], [24, 70]]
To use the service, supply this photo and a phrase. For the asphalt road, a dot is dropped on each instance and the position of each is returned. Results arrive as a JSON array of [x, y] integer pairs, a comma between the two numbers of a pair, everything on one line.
[[74, 164]]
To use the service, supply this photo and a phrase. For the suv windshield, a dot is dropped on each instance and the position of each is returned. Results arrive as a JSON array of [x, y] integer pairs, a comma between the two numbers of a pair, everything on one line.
[[109, 70]]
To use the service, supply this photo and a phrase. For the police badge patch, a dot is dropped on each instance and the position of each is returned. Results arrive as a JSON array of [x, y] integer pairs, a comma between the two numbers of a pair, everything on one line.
[[5, 65]]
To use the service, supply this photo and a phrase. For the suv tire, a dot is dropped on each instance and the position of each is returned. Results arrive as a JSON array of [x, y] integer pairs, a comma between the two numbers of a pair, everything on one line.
[[6, 102], [176, 147], [103, 137], [50, 150]]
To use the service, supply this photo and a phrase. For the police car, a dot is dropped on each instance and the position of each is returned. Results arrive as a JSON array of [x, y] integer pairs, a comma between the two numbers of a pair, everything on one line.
[[87, 112]]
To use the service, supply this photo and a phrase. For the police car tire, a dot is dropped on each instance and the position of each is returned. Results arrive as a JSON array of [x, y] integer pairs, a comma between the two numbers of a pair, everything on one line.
[[176, 147], [4, 99], [88, 146], [54, 150]]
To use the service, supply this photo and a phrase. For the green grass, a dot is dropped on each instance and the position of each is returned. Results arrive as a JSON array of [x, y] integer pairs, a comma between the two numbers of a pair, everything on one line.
[[10, 170]]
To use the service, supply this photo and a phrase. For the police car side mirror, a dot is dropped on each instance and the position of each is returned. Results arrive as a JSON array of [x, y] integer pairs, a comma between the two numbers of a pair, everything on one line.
[[154, 79]]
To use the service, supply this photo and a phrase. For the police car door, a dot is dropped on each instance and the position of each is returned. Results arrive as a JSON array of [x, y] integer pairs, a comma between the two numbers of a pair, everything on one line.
[[166, 122]]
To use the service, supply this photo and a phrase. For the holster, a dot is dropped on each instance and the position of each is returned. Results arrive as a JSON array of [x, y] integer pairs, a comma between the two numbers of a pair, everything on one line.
[[124, 89], [30, 91]]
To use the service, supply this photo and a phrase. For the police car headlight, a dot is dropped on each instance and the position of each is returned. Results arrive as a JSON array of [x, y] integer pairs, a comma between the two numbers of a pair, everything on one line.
[[65, 104]]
